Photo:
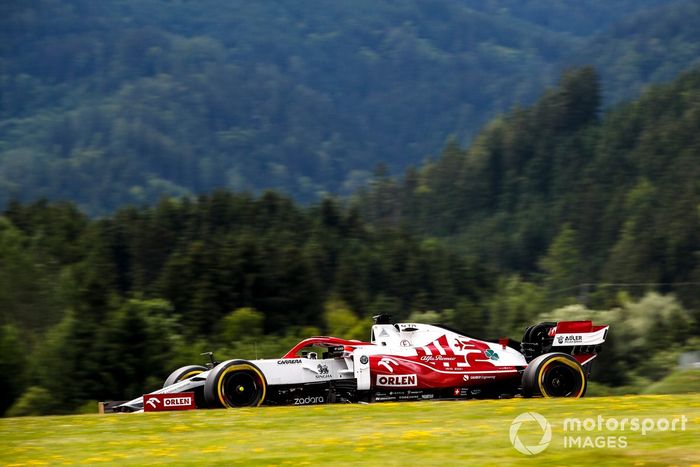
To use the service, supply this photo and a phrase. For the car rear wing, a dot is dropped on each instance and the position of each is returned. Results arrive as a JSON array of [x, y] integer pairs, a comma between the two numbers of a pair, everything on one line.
[[580, 339], [580, 333]]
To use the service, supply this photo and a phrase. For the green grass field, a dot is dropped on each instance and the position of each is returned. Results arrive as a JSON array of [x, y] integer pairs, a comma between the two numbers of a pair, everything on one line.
[[412, 433]]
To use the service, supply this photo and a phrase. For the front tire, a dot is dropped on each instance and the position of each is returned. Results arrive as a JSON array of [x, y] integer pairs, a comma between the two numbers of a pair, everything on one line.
[[184, 373], [554, 375], [235, 383]]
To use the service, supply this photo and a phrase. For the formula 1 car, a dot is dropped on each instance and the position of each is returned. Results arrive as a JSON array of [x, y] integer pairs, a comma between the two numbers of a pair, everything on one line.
[[405, 361]]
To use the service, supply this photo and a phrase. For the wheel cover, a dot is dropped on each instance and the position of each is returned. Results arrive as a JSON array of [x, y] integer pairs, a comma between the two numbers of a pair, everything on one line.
[[241, 386], [560, 377]]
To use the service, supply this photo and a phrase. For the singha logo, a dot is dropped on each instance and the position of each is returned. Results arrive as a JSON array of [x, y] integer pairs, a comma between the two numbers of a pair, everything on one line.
[[322, 370]]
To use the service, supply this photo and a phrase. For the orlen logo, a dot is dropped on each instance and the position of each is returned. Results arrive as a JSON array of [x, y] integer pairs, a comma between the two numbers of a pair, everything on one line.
[[161, 402], [397, 381], [177, 402]]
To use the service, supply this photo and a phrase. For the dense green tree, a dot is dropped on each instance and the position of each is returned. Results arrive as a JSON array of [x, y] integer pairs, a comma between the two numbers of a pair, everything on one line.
[[31, 293], [66, 365], [133, 347], [342, 322], [563, 264], [13, 371], [241, 324], [515, 307]]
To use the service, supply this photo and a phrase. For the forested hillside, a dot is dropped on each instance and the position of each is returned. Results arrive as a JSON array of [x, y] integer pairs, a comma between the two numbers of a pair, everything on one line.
[[564, 195], [488, 239], [114, 102]]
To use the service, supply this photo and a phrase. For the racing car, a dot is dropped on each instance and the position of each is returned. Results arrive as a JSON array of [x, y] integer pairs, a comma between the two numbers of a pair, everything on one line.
[[402, 361]]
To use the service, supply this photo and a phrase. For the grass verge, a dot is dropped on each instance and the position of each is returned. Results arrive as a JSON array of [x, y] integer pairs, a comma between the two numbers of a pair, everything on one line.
[[418, 433]]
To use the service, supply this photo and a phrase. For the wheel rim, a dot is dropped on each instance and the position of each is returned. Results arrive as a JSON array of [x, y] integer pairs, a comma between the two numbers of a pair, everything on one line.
[[560, 377], [560, 380], [241, 389]]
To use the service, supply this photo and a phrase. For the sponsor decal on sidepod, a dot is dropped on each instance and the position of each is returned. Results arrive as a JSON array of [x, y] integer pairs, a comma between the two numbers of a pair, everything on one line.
[[397, 381]]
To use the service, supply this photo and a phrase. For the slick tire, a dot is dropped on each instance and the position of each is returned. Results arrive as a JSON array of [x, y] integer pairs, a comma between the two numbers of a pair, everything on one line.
[[235, 383], [554, 375], [184, 373]]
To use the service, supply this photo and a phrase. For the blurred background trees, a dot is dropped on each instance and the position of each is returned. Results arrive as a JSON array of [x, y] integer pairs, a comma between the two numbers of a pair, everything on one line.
[[139, 114]]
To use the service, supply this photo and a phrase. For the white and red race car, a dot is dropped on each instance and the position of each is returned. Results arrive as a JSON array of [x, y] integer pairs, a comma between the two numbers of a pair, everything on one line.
[[405, 361]]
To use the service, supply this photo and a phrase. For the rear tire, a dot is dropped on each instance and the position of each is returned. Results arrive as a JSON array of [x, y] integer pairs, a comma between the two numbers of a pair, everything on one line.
[[554, 375], [184, 373], [235, 383]]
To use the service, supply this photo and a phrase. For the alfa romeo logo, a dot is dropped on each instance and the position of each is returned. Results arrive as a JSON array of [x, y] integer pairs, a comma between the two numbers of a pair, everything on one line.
[[531, 422]]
